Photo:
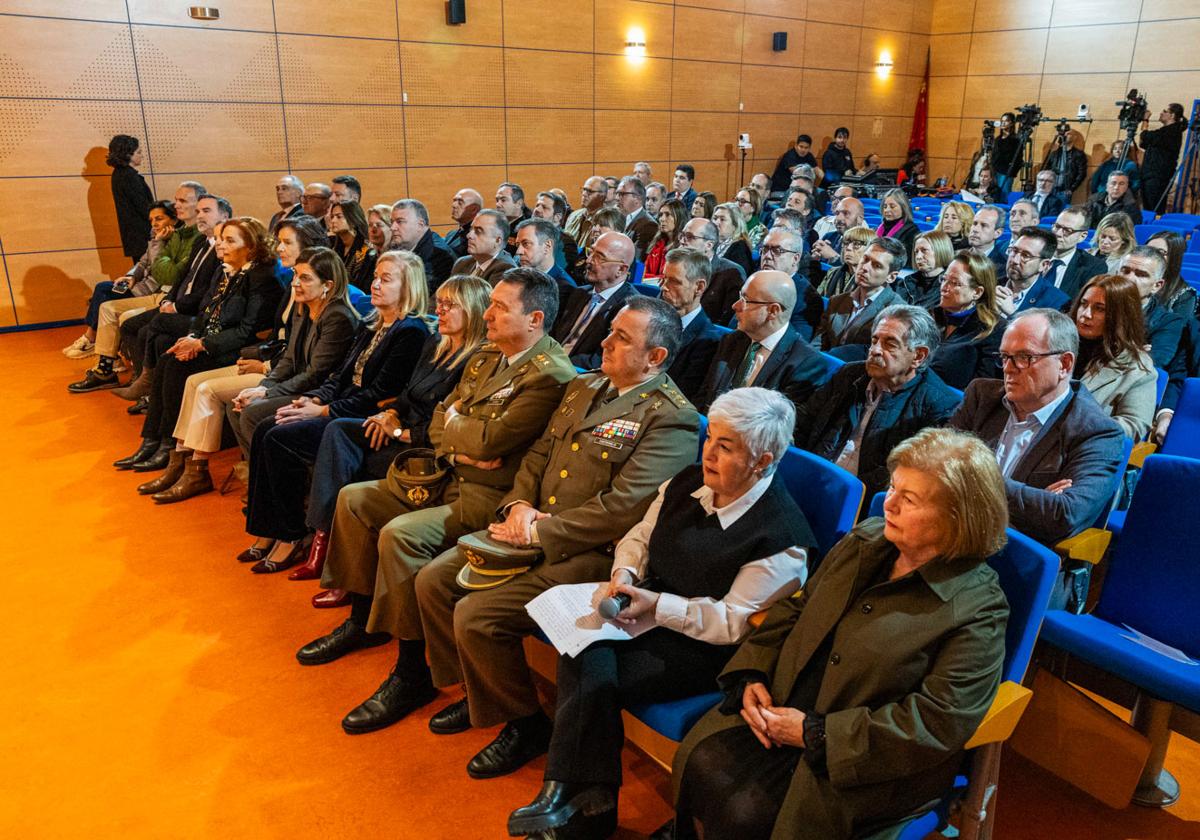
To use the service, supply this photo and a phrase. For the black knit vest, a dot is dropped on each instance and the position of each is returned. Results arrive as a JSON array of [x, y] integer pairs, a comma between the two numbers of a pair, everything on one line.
[[693, 557]]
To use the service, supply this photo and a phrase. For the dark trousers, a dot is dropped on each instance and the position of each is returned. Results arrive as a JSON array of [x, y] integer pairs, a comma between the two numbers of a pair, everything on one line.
[[164, 329], [133, 336], [102, 294], [608, 676], [279, 460], [166, 392], [345, 456], [1153, 188]]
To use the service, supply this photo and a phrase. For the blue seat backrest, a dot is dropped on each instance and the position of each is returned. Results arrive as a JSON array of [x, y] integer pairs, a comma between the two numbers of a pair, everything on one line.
[[1183, 436], [829, 496], [832, 363], [703, 435], [636, 272], [1160, 386], [647, 289], [1153, 580], [724, 331]]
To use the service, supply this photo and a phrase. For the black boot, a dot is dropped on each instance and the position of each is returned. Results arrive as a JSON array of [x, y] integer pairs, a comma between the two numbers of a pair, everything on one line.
[[149, 447], [157, 461], [576, 811]]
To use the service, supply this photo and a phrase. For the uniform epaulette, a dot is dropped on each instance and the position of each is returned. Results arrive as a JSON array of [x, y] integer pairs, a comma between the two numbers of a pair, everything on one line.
[[488, 347], [675, 396]]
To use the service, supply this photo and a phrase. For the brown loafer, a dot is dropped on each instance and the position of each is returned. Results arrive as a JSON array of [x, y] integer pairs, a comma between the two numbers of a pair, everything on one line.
[[331, 598]]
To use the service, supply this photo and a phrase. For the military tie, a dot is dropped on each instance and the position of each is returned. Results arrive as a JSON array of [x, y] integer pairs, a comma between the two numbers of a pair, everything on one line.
[[747, 365], [583, 321]]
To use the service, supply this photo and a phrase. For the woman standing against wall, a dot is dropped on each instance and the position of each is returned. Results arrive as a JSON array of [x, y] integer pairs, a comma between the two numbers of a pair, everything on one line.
[[131, 196]]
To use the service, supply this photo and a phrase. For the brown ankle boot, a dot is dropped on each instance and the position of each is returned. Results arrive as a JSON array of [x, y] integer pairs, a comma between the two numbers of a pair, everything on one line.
[[136, 389], [172, 474], [195, 480], [311, 570]]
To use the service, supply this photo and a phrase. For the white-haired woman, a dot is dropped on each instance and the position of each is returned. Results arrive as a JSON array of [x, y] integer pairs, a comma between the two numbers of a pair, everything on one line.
[[722, 540]]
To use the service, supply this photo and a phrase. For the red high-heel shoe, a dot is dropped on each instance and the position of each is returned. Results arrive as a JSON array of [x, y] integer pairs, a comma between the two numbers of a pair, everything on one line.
[[311, 570]]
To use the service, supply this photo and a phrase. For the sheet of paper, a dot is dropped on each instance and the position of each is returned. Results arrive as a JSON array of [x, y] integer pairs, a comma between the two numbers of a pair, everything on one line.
[[1174, 654], [971, 198], [567, 615]]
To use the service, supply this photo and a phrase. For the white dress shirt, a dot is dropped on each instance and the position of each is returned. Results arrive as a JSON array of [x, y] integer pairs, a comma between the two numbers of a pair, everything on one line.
[[758, 584], [1019, 434]]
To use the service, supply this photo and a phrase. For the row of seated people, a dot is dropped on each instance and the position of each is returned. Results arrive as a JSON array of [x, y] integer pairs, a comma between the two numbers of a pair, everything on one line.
[[399, 541]]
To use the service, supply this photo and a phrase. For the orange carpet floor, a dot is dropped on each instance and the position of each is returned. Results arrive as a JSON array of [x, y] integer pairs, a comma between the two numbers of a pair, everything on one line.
[[150, 688]]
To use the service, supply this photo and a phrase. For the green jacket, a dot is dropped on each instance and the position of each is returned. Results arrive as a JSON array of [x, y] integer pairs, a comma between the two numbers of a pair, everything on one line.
[[171, 264], [598, 466], [912, 670], [500, 414]]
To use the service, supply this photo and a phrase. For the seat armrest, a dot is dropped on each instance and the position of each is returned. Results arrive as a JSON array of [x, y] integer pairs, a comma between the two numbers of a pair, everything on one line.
[[1001, 719], [1140, 452], [1088, 546]]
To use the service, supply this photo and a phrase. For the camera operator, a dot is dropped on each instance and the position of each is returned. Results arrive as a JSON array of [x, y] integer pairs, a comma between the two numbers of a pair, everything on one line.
[[1068, 163], [1162, 153], [1007, 154]]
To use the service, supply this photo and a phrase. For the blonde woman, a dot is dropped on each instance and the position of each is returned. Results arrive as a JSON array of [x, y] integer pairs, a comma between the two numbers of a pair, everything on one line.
[[970, 321], [840, 278], [1114, 239], [932, 253], [379, 366], [733, 243], [955, 221], [379, 227], [361, 450]]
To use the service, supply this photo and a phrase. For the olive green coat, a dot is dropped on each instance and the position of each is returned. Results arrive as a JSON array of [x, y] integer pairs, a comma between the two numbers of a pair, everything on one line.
[[912, 670], [500, 414]]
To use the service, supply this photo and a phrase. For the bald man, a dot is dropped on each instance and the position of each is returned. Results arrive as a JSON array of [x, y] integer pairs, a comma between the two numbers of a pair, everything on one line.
[[764, 350], [591, 199], [463, 207], [587, 311]]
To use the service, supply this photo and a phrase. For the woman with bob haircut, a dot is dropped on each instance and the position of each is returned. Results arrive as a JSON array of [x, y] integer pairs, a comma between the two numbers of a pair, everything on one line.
[[970, 321], [850, 706]]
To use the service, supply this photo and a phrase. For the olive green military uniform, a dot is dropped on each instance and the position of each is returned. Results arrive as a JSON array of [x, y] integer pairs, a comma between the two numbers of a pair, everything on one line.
[[595, 471], [377, 542]]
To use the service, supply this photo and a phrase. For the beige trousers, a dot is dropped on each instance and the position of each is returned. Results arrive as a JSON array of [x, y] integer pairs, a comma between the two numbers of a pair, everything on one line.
[[113, 313], [202, 412]]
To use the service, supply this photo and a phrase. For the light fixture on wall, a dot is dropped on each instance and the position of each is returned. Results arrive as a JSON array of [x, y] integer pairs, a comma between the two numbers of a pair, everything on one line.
[[883, 67], [204, 13], [635, 44]]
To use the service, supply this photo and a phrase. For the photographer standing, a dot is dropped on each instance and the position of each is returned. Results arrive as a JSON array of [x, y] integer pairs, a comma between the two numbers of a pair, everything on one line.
[[1162, 152], [1007, 157]]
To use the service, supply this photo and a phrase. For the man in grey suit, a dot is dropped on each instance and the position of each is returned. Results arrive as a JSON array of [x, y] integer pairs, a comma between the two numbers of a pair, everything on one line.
[[486, 239], [1059, 452], [848, 318], [639, 225]]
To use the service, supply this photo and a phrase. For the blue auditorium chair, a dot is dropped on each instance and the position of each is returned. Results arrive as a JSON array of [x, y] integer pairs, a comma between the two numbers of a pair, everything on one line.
[[1153, 588]]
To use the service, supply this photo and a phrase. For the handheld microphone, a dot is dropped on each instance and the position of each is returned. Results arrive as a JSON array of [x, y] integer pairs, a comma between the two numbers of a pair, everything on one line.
[[609, 607]]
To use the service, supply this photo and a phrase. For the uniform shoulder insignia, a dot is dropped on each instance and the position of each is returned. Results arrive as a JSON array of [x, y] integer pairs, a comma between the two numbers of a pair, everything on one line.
[[488, 347], [542, 360], [675, 396]]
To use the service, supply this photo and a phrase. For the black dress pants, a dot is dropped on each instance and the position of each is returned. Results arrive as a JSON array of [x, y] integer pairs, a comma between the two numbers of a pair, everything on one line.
[[594, 686], [166, 392], [280, 457]]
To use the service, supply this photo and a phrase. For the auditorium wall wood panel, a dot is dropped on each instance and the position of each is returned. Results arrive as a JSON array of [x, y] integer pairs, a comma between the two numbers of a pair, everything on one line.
[[988, 58], [536, 91]]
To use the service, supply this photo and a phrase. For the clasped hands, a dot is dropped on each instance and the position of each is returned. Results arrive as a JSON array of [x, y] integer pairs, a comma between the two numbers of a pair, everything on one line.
[[301, 408], [380, 430], [247, 396], [773, 726], [515, 529], [185, 349]]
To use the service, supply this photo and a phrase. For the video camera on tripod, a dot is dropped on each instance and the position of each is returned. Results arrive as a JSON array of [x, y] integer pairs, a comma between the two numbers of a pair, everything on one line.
[[1028, 117], [1133, 110]]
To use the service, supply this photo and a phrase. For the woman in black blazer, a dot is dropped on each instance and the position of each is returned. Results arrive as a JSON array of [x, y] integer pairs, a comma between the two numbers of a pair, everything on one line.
[[239, 306], [378, 368], [733, 243], [350, 237], [970, 322], [353, 450], [898, 220], [131, 197]]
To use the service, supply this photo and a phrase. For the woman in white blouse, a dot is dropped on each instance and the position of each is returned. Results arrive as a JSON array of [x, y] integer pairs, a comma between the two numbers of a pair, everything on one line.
[[731, 542]]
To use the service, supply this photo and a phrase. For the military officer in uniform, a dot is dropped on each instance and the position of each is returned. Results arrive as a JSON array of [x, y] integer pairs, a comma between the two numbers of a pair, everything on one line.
[[617, 435], [378, 541]]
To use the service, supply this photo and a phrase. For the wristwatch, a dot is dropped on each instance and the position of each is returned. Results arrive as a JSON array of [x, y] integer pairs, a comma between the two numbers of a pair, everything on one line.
[[397, 432]]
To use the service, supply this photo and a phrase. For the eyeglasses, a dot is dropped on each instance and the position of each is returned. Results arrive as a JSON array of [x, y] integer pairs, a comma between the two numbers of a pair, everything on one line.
[[951, 283], [1022, 361], [1064, 230], [691, 237], [745, 301], [442, 305], [775, 250], [745, 201], [1018, 254], [624, 193], [600, 258], [587, 191]]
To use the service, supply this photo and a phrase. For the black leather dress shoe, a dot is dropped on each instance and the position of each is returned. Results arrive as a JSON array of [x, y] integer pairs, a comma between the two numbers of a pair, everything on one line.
[[580, 811], [148, 448], [94, 381], [518, 743], [451, 720], [157, 461], [139, 407], [394, 699], [347, 637]]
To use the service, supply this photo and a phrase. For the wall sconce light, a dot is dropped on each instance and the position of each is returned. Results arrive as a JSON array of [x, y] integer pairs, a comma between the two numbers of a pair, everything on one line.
[[883, 67], [635, 44], [204, 13]]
